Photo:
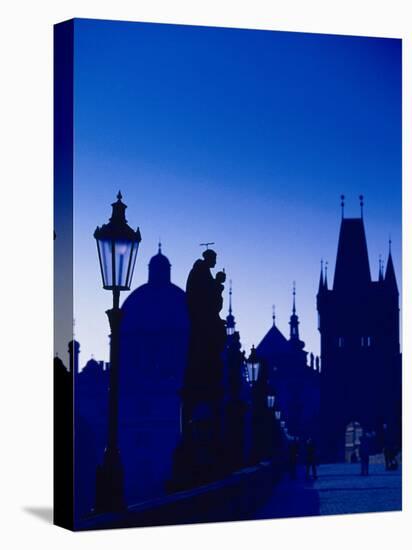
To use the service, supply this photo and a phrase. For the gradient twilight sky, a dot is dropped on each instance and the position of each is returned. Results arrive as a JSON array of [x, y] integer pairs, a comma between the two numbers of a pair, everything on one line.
[[241, 137]]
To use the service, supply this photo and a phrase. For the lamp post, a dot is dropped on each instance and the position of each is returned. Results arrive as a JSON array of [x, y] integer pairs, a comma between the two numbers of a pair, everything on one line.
[[271, 401], [117, 246], [253, 366]]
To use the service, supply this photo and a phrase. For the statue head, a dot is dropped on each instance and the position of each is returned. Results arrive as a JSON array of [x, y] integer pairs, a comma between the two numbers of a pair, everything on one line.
[[209, 256]]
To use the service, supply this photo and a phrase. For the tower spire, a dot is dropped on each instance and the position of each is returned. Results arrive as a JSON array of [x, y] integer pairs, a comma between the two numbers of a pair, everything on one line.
[[230, 297], [342, 205], [273, 315], [361, 205], [326, 276], [294, 319], [390, 277], [321, 280]]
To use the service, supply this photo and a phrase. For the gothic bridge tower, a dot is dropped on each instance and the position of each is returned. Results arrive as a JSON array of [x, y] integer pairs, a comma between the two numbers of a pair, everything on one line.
[[360, 352]]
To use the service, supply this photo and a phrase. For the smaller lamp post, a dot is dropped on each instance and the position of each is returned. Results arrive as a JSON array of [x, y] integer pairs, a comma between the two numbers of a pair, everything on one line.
[[117, 246], [277, 415], [282, 424], [253, 366], [271, 401]]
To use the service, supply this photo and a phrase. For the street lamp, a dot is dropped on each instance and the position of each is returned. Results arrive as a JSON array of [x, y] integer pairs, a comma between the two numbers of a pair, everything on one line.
[[271, 401], [278, 415], [282, 424], [253, 366], [117, 246]]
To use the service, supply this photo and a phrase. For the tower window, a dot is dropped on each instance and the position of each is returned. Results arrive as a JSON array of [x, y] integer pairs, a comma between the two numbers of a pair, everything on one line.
[[341, 342]]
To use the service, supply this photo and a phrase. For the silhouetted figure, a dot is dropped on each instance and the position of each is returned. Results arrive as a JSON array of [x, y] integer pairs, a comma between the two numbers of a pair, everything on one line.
[[389, 449], [293, 457], [364, 451], [311, 458], [207, 329], [198, 458]]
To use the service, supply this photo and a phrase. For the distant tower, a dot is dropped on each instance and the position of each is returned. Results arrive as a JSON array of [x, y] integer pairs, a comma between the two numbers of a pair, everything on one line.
[[359, 329]]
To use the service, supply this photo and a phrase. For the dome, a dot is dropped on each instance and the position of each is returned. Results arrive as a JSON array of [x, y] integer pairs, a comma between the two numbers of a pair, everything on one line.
[[91, 366], [158, 304], [159, 268], [155, 307]]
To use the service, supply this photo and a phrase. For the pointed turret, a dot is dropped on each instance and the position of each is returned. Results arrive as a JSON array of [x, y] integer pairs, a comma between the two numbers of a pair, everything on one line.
[[390, 277]]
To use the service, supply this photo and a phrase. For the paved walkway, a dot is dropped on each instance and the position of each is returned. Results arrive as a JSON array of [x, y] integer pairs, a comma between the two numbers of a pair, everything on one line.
[[339, 489]]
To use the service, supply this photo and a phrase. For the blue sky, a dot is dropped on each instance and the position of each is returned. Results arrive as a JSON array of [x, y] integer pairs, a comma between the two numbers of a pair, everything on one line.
[[245, 138]]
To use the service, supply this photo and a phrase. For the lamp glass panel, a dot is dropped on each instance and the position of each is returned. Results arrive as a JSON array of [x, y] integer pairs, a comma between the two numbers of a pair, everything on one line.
[[256, 370], [105, 253], [250, 371], [122, 252], [132, 262]]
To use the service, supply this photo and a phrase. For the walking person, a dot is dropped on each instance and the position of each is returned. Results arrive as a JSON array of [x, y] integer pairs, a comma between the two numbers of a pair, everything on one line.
[[364, 451], [293, 457], [311, 460]]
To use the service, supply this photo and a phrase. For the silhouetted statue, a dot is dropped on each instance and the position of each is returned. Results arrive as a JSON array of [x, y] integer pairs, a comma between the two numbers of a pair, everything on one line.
[[207, 329], [198, 457]]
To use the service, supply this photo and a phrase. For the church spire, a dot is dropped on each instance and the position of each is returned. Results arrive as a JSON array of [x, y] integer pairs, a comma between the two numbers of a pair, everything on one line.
[[294, 319], [273, 315], [294, 298], [230, 319], [294, 324]]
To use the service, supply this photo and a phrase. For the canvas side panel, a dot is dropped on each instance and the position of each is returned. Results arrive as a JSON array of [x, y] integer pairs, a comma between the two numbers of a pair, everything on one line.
[[63, 274]]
